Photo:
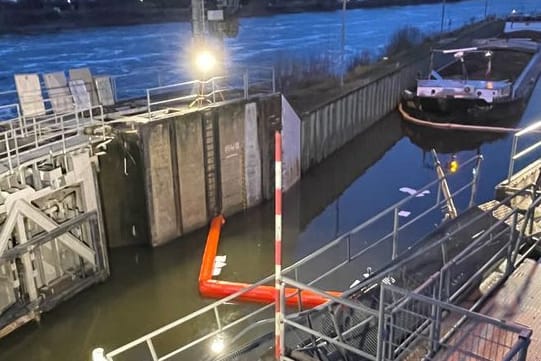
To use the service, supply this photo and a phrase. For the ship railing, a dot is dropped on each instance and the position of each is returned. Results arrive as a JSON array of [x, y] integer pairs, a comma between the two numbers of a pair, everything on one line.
[[26, 134], [237, 85], [530, 130], [340, 256]]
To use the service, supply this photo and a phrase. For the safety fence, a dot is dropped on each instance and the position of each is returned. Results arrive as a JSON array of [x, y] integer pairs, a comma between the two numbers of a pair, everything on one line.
[[236, 85], [24, 135]]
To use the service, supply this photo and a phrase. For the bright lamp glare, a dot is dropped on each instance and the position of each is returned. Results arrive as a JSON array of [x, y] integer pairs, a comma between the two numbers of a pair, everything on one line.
[[217, 345], [205, 61]]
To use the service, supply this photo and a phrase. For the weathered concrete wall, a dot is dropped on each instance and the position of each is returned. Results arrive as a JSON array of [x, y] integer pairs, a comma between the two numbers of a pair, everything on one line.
[[231, 142], [191, 171], [252, 156], [122, 192], [179, 165], [269, 111], [161, 193]]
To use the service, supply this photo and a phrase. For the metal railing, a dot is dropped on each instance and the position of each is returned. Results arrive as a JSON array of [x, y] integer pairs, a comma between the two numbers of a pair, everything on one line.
[[443, 331], [531, 129], [386, 230], [256, 318], [134, 84], [400, 336], [251, 81], [23, 134], [405, 322]]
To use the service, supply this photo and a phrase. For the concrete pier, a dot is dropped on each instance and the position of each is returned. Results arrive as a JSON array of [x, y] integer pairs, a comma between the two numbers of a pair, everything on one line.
[[197, 164]]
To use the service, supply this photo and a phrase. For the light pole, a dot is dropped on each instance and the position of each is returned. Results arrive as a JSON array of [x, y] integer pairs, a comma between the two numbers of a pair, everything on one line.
[[343, 43], [442, 14], [486, 8]]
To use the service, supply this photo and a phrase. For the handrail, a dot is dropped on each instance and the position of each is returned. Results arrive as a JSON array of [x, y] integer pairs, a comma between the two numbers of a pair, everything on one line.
[[372, 220], [514, 156], [28, 135], [198, 93]]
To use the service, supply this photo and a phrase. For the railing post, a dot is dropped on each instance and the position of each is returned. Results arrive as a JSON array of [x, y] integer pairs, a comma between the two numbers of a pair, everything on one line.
[[213, 90], [348, 251], [152, 350], [245, 83], [217, 316], [395, 233], [8, 150], [16, 144], [77, 123], [475, 180], [380, 355], [19, 117], [511, 158], [525, 337], [148, 104], [34, 124], [63, 135], [433, 332], [273, 80], [510, 249], [113, 83]]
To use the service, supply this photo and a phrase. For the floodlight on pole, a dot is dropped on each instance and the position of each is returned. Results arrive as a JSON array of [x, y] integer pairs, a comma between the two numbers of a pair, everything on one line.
[[205, 61]]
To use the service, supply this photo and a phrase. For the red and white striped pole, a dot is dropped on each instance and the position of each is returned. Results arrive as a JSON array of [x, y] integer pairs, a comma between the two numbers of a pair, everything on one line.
[[279, 342]]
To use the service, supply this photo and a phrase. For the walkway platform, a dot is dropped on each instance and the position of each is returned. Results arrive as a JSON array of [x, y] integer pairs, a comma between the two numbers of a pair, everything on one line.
[[518, 301]]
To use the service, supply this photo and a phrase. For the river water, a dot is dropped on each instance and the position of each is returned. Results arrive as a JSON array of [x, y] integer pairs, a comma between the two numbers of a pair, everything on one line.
[[151, 287]]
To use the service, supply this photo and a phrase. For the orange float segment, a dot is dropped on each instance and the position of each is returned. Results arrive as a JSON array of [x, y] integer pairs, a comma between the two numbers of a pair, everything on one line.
[[211, 248], [260, 294]]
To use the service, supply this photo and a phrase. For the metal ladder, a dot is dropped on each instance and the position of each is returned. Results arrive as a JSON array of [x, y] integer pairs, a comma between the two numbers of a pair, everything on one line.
[[210, 137]]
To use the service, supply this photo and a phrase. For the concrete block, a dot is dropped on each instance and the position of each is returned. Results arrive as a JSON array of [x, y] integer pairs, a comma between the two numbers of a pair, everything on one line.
[[252, 156], [191, 171], [231, 129], [164, 220]]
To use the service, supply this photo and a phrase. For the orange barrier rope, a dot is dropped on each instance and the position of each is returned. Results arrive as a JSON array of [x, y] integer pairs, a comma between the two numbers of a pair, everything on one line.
[[451, 126], [209, 287]]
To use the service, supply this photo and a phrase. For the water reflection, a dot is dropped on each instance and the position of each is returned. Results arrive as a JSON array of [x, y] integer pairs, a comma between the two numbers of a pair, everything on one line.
[[453, 141]]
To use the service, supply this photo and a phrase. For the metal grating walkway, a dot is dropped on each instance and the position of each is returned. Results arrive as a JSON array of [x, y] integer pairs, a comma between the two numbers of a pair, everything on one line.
[[518, 301]]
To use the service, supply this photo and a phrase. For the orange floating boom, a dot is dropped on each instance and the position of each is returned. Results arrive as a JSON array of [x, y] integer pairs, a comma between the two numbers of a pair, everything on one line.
[[260, 294]]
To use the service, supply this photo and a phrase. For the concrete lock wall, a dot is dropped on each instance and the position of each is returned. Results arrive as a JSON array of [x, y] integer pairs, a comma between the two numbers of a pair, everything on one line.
[[191, 172], [333, 124], [122, 191], [180, 167]]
